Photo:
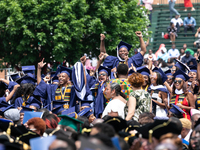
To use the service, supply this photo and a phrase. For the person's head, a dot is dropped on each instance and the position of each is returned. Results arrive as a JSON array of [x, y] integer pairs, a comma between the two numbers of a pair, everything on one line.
[[189, 15], [187, 54], [173, 46], [186, 126], [123, 52], [170, 79], [179, 83], [156, 78], [176, 16], [192, 75], [112, 90], [163, 50], [194, 118], [37, 125], [172, 24], [182, 51], [185, 46], [136, 80], [63, 79], [192, 140], [173, 69], [122, 69], [51, 121], [103, 76], [104, 129], [146, 80], [150, 52]]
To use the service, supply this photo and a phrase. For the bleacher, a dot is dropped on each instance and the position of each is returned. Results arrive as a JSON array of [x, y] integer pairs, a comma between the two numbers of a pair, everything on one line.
[[160, 22]]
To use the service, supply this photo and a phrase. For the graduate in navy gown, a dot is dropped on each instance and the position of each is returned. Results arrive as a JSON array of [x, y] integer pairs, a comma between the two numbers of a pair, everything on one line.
[[122, 54]]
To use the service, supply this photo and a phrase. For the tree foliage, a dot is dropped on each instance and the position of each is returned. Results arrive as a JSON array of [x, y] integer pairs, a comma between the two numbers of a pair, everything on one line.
[[65, 29]]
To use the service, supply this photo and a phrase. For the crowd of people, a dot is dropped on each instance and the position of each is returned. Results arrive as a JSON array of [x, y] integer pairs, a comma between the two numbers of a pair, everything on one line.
[[143, 102]]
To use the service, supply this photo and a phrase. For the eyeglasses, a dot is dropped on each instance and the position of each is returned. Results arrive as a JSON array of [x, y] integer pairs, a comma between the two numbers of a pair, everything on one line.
[[179, 81], [102, 74], [173, 69]]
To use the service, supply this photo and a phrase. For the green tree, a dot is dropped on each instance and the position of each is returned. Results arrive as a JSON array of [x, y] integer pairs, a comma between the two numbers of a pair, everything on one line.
[[65, 29]]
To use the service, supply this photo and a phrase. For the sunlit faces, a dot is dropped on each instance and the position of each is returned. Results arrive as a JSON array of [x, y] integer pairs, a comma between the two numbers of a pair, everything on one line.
[[192, 75], [63, 78], [178, 82], [169, 79], [146, 80], [173, 69], [91, 118], [153, 78], [123, 52], [103, 76]]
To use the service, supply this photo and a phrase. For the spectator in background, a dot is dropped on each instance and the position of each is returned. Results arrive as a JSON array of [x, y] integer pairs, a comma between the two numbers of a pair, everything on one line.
[[197, 35], [189, 23], [188, 4], [148, 5], [150, 54], [188, 59], [182, 54], [187, 49], [173, 52], [172, 30], [178, 22], [163, 55], [172, 9]]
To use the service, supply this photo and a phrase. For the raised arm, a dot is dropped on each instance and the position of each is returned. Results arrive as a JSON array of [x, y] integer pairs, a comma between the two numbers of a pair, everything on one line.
[[39, 68], [142, 44], [12, 92], [83, 60], [101, 57], [102, 44]]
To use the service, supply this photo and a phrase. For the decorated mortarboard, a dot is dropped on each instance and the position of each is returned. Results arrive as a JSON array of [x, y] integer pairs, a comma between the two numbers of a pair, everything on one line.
[[42, 143], [106, 70], [86, 112], [117, 122], [14, 77], [181, 74], [28, 115], [70, 112], [168, 72], [193, 68], [182, 66], [35, 103], [125, 45], [28, 69], [58, 103], [24, 109], [71, 122], [143, 70], [26, 79], [58, 109], [66, 70], [163, 75], [177, 110]]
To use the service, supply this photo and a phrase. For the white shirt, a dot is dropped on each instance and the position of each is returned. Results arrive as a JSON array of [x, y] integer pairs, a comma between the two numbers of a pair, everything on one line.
[[147, 55], [175, 21], [173, 53], [115, 105]]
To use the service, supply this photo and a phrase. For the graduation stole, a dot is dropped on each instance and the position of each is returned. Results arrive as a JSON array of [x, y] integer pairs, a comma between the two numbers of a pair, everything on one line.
[[145, 88], [177, 98], [24, 101], [66, 96]]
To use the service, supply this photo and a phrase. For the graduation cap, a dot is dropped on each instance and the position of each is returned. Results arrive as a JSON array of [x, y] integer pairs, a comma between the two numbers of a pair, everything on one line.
[[35, 103], [42, 143], [28, 115], [181, 74], [168, 72], [125, 45], [26, 79], [55, 79], [117, 122], [3, 85], [14, 76], [58, 109], [71, 122], [193, 68], [86, 103], [163, 75], [143, 70], [106, 70], [131, 72], [58, 103], [66, 70], [181, 66], [86, 112], [70, 112], [177, 110], [28, 69], [26, 109]]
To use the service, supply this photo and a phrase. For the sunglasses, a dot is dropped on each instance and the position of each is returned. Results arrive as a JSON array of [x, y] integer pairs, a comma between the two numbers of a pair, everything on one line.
[[179, 81], [170, 78], [102, 74]]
